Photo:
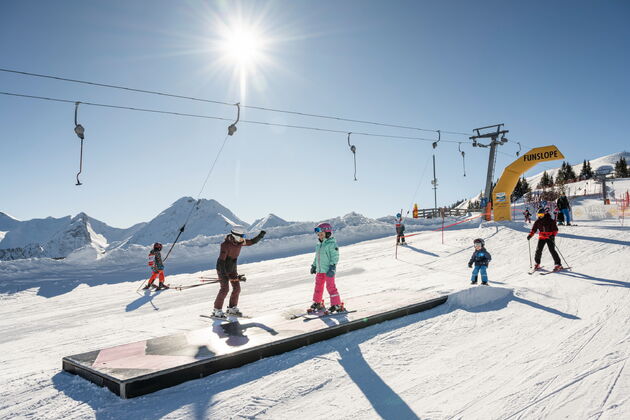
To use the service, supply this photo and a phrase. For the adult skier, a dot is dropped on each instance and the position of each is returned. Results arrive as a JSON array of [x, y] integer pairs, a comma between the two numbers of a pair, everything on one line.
[[226, 270], [481, 258], [324, 267], [400, 229], [157, 267], [565, 208], [547, 231]]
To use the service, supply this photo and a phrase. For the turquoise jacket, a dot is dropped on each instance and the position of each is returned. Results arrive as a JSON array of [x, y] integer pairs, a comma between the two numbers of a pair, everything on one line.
[[326, 254]]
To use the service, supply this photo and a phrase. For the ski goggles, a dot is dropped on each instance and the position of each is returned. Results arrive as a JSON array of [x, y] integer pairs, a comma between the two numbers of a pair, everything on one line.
[[318, 229]]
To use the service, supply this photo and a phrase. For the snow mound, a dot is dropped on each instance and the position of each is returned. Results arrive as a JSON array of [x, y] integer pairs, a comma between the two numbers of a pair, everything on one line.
[[268, 222], [478, 297]]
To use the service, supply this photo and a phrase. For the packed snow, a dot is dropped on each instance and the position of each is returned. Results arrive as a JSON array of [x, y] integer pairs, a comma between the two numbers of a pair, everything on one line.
[[528, 346]]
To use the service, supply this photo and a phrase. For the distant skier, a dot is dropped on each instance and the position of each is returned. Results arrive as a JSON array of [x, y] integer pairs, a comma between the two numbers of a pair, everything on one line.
[[400, 229], [226, 270], [480, 258], [565, 208], [157, 266], [547, 231], [324, 267], [527, 215]]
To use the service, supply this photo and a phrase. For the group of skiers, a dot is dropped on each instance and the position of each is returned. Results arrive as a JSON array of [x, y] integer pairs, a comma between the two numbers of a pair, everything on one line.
[[324, 264], [561, 211], [324, 267]]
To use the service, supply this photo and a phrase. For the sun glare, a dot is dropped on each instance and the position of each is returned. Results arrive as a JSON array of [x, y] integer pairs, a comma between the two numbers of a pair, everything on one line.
[[242, 46]]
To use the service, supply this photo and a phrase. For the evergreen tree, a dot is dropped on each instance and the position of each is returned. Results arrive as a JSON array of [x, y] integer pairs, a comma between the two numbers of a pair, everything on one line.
[[621, 168], [587, 171], [561, 175], [569, 173], [525, 186], [546, 181]]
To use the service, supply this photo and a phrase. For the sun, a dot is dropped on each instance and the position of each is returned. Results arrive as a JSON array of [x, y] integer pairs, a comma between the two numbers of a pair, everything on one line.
[[242, 46]]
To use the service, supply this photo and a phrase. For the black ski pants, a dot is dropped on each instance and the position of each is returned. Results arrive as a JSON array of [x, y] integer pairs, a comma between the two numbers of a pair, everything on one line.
[[552, 249]]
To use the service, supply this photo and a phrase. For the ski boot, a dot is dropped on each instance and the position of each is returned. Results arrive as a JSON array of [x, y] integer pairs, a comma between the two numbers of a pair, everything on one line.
[[218, 313], [162, 286], [316, 307], [336, 308], [147, 286], [558, 267], [233, 311], [484, 283]]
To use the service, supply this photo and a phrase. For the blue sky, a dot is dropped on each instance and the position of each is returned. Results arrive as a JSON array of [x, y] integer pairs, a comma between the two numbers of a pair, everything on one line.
[[553, 72]]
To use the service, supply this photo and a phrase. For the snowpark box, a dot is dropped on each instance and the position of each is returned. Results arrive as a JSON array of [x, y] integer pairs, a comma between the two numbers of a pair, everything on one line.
[[135, 369]]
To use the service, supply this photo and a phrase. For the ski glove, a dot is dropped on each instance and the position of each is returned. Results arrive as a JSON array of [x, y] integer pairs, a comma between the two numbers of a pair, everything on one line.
[[529, 236], [470, 265], [331, 270], [313, 269]]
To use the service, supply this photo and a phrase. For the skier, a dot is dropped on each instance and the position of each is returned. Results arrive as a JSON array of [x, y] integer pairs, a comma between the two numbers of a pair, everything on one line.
[[157, 266], [400, 230], [226, 270], [481, 258], [527, 215], [547, 232], [555, 214], [565, 208], [324, 267]]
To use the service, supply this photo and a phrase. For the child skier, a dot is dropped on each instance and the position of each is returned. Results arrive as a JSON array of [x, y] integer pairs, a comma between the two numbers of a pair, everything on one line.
[[400, 230], [527, 215], [324, 267], [157, 266], [481, 258], [226, 270], [547, 232]]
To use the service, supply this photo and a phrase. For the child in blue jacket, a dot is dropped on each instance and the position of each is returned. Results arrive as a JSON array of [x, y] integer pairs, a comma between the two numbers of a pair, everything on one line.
[[481, 258]]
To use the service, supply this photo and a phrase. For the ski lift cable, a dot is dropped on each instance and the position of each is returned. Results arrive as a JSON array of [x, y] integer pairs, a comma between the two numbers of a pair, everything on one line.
[[182, 114], [353, 149], [80, 132], [231, 131], [426, 165], [152, 92]]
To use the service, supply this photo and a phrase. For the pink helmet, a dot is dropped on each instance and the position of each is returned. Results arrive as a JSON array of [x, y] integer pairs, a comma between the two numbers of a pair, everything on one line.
[[324, 227]]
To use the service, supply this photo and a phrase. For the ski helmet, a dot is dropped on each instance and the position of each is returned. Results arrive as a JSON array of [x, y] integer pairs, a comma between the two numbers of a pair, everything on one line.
[[238, 230], [541, 212], [479, 241], [157, 246], [324, 227], [398, 215]]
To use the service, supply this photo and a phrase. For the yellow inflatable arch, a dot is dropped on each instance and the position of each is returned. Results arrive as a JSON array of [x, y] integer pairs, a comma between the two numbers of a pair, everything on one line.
[[502, 193]]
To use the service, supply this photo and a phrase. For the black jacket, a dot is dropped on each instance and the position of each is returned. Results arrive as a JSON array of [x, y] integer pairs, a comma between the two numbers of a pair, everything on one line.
[[480, 257], [563, 202]]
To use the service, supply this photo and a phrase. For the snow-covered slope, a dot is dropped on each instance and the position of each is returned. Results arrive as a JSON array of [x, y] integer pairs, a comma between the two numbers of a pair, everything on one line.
[[604, 162], [528, 347], [207, 219]]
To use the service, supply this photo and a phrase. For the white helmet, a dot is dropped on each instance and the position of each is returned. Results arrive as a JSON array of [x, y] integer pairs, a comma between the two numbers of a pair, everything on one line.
[[238, 230]]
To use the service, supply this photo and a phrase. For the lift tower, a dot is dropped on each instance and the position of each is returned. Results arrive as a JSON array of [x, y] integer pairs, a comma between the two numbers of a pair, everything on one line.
[[497, 138]]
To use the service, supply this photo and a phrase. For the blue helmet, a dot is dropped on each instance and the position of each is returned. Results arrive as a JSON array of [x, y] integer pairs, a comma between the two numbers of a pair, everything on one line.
[[398, 215]]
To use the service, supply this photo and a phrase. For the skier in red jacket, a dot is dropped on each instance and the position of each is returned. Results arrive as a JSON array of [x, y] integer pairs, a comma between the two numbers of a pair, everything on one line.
[[547, 233]]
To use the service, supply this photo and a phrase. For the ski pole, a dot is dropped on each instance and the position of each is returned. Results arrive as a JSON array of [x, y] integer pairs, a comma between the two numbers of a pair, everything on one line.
[[141, 285], [564, 259], [529, 245]]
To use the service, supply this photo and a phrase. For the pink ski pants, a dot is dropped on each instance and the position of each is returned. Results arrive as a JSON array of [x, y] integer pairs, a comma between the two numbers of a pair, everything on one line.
[[320, 280]]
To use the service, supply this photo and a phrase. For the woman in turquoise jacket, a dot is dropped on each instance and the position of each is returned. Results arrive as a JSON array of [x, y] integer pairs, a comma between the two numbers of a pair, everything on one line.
[[324, 267]]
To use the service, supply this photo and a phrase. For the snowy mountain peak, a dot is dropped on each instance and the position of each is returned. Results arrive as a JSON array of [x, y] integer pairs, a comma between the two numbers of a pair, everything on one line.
[[207, 217], [271, 220]]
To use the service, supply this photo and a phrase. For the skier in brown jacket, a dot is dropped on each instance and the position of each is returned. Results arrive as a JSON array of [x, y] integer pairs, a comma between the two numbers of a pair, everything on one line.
[[226, 270]]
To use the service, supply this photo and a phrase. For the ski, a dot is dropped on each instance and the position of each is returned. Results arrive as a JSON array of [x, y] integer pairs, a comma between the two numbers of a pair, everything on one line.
[[314, 315], [228, 318], [533, 270], [190, 286], [555, 271]]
